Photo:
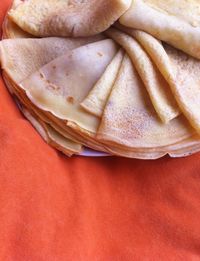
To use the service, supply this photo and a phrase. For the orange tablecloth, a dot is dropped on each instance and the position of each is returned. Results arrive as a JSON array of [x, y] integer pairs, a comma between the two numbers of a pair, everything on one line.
[[53, 208]]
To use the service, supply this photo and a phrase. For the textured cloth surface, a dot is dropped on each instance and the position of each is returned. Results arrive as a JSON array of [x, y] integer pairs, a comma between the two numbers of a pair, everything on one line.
[[54, 208]]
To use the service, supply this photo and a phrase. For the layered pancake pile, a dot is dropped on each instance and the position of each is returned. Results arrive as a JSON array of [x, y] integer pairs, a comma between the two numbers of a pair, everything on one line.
[[120, 76]]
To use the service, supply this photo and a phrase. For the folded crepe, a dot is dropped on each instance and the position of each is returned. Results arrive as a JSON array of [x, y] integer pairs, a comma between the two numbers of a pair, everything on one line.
[[49, 131], [61, 85], [58, 125], [129, 121], [180, 70], [21, 57], [56, 130], [14, 53], [12, 30], [154, 49], [157, 87], [175, 22], [97, 97], [186, 85], [23, 99], [67, 18]]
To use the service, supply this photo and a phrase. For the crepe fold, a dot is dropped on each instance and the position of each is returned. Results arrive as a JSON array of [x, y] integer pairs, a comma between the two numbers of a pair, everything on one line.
[[180, 70], [61, 85], [18, 66], [17, 54], [67, 18], [87, 92], [157, 87], [48, 118], [105, 52], [129, 121], [49, 131], [96, 100], [173, 21]]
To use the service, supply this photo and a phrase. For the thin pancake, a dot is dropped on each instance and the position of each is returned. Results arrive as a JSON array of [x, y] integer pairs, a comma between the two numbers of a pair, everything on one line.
[[97, 97], [59, 125], [21, 57], [186, 85], [14, 53], [158, 89], [61, 85], [129, 119], [68, 18], [173, 21], [155, 50], [180, 70], [187, 147], [17, 92], [49, 131]]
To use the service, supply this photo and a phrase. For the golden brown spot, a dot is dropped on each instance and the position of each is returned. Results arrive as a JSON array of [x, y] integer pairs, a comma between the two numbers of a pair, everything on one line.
[[41, 75], [53, 87], [70, 99], [100, 54]]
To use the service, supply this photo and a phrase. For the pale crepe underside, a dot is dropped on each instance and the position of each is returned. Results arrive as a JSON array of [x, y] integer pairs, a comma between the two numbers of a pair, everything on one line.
[[68, 18], [129, 119], [180, 70], [158, 89], [97, 97], [173, 21]]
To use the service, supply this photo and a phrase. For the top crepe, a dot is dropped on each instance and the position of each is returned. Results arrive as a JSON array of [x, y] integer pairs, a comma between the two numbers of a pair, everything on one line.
[[60, 86], [66, 17], [16, 55], [173, 21]]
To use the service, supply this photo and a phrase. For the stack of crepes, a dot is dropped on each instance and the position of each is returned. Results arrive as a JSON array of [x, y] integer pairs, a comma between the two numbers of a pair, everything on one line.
[[117, 76]]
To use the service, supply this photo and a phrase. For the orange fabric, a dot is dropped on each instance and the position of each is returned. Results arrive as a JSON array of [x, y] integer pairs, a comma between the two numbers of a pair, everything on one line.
[[53, 208]]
